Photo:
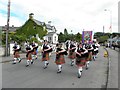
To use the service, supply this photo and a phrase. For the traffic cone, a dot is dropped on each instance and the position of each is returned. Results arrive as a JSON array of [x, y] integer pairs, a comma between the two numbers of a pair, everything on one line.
[[105, 54]]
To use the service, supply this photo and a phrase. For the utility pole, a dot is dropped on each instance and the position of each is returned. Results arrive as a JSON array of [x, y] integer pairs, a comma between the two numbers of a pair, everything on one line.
[[103, 29], [7, 29]]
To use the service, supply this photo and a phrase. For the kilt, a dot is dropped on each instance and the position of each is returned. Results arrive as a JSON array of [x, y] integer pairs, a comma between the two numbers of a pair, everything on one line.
[[89, 58], [45, 56], [60, 60], [80, 61], [34, 52], [29, 56], [72, 55], [16, 54]]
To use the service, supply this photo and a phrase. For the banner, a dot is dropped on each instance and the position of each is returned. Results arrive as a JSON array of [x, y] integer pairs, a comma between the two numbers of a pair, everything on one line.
[[86, 36]]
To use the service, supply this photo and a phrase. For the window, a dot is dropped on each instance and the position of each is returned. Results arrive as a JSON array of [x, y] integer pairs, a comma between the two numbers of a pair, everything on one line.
[[55, 39], [49, 39]]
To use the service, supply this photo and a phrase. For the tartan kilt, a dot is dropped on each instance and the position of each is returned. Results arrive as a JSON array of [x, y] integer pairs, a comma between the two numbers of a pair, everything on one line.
[[45, 57], [29, 56], [16, 54], [89, 58], [60, 60], [72, 55], [80, 61], [34, 52]]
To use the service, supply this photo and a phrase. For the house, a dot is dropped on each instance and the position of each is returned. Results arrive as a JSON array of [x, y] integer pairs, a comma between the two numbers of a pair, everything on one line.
[[11, 28], [51, 37], [46, 31]]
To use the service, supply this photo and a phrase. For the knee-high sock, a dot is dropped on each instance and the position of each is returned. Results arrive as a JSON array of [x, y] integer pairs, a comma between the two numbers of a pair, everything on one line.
[[80, 70], [28, 62], [87, 63], [59, 67], [45, 63], [15, 60]]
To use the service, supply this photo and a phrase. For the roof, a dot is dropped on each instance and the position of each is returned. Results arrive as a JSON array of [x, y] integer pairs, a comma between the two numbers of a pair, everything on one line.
[[38, 22], [51, 33], [11, 28], [48, 26]]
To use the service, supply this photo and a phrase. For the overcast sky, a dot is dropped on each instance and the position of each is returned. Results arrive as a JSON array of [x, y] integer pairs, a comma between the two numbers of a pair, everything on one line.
[[74, 15]]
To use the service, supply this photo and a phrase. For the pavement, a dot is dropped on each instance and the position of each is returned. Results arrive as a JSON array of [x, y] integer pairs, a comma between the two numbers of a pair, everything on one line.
[[19, 76], [113, 68]]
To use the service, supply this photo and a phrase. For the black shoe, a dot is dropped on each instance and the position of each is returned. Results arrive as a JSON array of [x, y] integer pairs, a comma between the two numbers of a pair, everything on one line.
[[45, 67], [32, 62], [47, 63], [86, 68], [58, 71], [79, 76], [14, 63], [19, 61], [27, 65]]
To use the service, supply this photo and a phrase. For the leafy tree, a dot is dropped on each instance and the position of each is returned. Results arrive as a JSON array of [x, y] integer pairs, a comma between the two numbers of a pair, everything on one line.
[[65, 32], [98, 34], [103, 39], [61, 37], [78, 37]]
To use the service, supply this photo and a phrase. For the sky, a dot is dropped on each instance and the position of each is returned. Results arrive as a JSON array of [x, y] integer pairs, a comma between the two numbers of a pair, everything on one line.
[[75, 15]]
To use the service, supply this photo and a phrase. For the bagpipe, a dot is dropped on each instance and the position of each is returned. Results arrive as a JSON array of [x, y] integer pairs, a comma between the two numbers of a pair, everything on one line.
[[72, 46], [15, 48], [61, 53], [28, 50], [48, 51], [80, 52]]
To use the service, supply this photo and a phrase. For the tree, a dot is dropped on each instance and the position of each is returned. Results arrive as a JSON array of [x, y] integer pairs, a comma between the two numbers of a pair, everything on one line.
[[78, 37], [102, 39], [65, 32], [98, 34], [61, 37]]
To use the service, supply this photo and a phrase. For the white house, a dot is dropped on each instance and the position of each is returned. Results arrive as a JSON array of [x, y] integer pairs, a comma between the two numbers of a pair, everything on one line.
[[51, 37]]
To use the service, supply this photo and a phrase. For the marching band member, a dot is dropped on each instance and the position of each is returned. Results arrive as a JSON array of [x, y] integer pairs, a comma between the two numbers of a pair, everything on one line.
[[95, 51], [72, 55], [45, 53], [80, 58], [34, 51], [16, 49], [60, 52], [29, 55], [89, 47]]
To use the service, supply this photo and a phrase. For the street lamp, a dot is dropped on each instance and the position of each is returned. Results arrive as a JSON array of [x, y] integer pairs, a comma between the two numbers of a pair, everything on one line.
[[110, 25], [110, 19]]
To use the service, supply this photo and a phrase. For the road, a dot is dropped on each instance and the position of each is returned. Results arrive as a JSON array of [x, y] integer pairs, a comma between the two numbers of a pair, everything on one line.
[[19, 76]]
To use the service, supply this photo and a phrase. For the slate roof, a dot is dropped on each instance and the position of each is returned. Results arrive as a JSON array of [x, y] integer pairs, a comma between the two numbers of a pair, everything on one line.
[[38, 22]]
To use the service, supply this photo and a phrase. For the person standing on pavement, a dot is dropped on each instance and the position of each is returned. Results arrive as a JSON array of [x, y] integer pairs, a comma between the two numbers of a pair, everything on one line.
[[16, 49], [45, 53], [80, 58], [60, 52]]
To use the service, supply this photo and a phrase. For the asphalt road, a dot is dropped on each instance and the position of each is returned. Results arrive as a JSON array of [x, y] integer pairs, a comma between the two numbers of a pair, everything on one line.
[[19, 76]]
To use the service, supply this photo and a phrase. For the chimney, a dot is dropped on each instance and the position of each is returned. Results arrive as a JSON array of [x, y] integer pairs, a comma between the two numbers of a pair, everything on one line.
[[31, 16]]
